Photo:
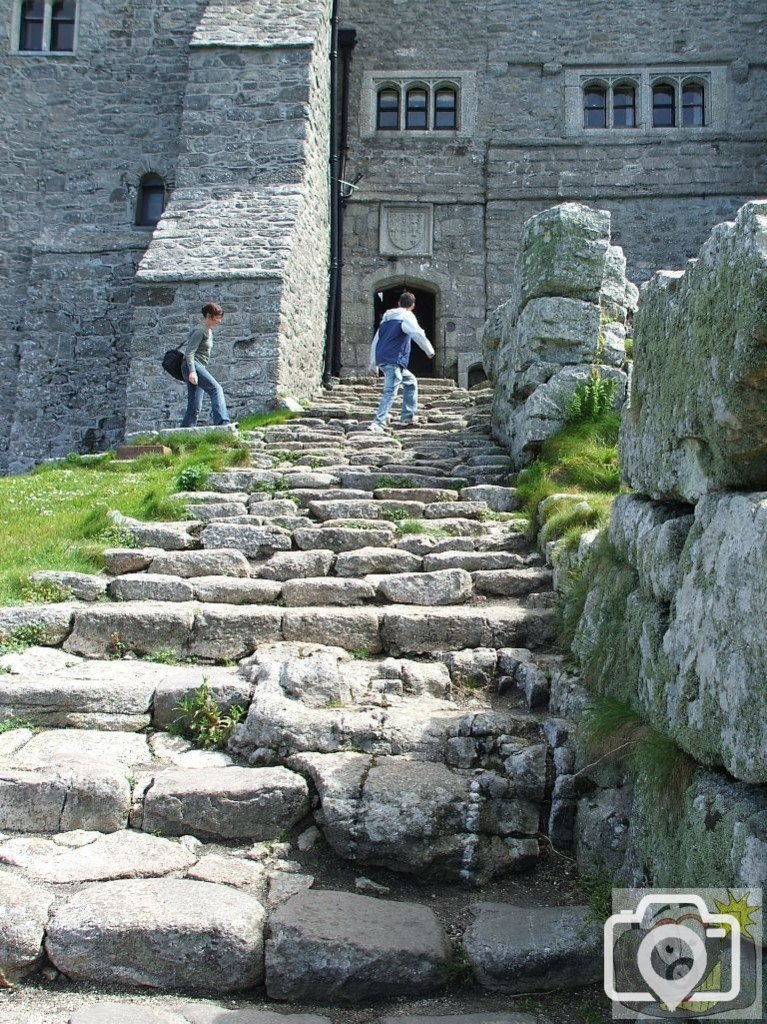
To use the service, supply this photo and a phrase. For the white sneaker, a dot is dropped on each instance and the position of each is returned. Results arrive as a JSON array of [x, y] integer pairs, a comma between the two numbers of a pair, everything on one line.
[[375, 429]]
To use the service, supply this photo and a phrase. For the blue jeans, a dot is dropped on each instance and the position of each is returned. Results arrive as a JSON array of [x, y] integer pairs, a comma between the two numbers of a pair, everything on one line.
[[394, 376], [206, 385]]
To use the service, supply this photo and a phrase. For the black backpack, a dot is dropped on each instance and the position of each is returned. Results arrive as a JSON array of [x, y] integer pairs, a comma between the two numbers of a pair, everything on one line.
[[172, 362]]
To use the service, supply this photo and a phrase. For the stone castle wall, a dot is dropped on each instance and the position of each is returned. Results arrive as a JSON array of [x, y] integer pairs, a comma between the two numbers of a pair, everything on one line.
[[672, 625], [80, 132], [211, 99], [520, 147], [247, 224]]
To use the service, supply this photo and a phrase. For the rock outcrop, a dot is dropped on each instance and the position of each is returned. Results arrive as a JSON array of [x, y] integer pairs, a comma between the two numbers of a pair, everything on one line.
[[696, 420], [567, 314]]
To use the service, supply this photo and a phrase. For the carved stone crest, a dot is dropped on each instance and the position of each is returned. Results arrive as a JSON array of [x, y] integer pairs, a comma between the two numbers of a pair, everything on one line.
[[405, 230]]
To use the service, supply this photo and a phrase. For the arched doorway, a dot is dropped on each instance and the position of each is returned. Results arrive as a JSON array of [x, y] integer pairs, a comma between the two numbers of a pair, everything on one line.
[[425, 310]]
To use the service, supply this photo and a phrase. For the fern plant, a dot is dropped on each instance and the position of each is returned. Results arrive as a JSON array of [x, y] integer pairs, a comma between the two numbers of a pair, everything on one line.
[[592, 399]]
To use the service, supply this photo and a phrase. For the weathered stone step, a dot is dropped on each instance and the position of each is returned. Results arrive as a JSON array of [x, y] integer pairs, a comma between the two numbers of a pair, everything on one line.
[[221, 632], [375, 481], [377, 508], [151, 933]]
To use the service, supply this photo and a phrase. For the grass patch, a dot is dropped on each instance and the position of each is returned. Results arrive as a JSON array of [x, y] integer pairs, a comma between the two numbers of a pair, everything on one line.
[[167, 657], [598, 891], [581, 459], [57, 516], [45, 592], [203, 721], [415, 527], [611, 729], [268, 419]]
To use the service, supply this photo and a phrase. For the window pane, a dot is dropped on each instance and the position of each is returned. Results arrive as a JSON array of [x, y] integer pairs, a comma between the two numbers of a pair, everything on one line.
[[663, 115], [594, 108], [416, 109], [151, 201], [623, 107], [31, 33], [63, 26], [388, 109], [445, 109], [692, 106]]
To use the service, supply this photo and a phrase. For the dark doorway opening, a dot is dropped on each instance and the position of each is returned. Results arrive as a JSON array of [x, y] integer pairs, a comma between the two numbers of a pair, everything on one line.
[[425, 311]]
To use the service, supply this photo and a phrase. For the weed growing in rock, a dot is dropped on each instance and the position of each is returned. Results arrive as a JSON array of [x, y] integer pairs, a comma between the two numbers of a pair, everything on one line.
[[19, 639], [397, 514], [598, 891], [167, 657], [291, 457], [410, 526], [203, 721], [192, 478], [394, 482], [116, 648], [45, 592], [459, 969], [15, 723], [361, 654]]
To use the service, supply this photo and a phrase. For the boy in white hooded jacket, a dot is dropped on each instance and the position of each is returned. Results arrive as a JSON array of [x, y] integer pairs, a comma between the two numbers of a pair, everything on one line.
[[390, 351]]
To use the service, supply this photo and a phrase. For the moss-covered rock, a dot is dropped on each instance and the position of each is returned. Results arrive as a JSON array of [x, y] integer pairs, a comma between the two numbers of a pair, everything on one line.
[[696, 420], [565, 315], [717, 835]]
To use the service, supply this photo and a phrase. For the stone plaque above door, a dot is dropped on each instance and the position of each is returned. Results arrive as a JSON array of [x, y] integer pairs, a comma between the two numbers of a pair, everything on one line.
[[405, 230]]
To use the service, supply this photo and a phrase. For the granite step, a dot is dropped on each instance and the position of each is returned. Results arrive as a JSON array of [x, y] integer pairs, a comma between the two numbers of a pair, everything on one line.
[[220, 632]]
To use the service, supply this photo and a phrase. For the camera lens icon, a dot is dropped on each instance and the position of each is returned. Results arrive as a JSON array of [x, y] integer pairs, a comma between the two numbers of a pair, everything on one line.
[[672, 960], [672, 957]]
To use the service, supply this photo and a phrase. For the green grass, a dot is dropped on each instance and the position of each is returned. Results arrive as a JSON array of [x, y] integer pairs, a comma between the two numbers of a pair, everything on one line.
[[581, 459], [418, 526], [58, 516], [268, 419], [613, 729]]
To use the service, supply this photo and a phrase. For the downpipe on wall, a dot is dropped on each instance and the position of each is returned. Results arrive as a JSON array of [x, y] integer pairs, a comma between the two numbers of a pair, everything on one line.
[[344, 39]]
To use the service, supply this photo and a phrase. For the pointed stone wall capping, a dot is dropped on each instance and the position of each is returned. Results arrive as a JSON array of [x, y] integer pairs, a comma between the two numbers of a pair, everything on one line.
[[527, 949], [677, 604], [696, 421], [341, 948], [567, 312], [247, 221]]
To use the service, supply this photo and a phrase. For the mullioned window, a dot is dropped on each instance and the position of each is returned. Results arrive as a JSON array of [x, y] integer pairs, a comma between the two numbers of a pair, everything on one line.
[[45, 26]]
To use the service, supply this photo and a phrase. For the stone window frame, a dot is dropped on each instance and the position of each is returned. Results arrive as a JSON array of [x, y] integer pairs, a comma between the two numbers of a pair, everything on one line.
[[463, 84], [712, 78], [149, 180], [609, 85], [47, 31]]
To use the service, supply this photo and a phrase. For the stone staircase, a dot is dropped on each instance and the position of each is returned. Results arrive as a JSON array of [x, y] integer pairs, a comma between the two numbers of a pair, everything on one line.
[[373, 606]]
